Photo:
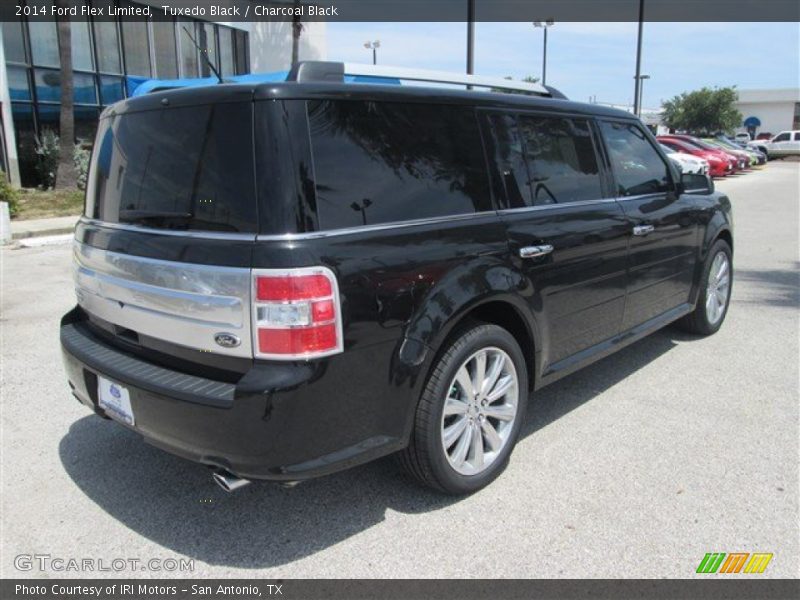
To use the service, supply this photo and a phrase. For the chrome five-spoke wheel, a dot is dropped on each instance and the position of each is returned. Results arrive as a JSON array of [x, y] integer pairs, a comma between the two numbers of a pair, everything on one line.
[[480, 411], [718, 288]]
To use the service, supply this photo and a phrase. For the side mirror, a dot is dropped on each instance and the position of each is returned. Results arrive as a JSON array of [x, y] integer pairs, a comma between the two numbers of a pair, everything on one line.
[[693, 183]]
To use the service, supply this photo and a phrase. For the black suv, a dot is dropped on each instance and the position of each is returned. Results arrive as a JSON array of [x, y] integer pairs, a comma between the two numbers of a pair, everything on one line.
[[284, 280]]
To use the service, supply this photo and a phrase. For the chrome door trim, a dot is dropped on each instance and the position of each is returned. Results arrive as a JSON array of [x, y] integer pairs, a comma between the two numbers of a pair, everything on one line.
[[208, 235], [523, 209], [310, 235]]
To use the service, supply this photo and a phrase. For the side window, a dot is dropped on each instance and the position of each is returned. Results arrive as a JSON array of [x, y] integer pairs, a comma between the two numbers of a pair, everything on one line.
[[505, 145], [782, 137], [797, 136], [638, 168], [381, 162], [561, 159]]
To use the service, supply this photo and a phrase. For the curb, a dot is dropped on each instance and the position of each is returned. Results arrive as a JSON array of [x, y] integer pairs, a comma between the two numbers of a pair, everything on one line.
[[18, 235]]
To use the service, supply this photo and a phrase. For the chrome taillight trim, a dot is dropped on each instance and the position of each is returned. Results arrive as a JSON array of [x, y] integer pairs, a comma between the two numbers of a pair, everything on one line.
[[298, 272]]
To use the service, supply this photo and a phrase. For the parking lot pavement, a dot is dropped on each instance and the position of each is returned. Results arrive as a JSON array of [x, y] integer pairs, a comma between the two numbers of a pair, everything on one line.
[[634, 467]]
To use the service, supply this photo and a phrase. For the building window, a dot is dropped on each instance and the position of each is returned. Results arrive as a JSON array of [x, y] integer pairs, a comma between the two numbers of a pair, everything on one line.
[[48, 87], [81, 46], [103, 54], [107, 40], [136, 47], [14, 41], [165, 50], [188, 35], [19, 87], [44, 43], [226, 52], [208, 46], [242, 58], [112, 89]]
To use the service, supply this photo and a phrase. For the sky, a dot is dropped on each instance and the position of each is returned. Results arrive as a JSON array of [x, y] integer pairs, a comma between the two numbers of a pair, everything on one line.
[[591, 59]]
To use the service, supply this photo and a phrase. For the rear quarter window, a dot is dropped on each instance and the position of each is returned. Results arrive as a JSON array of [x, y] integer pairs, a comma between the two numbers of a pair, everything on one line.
[[187, 168], [383, 162]]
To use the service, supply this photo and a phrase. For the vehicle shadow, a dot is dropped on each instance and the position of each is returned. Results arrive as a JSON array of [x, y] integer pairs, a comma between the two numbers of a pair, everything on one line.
[[175, 504], [777, 287]]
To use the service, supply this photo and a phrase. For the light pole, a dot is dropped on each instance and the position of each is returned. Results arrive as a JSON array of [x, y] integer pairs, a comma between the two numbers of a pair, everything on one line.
[[636, 99], [639, 93], [374, 47], [470, 38], [544, 25]]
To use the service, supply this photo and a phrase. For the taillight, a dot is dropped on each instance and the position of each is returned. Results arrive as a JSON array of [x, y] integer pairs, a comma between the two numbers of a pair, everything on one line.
[[296, 313]]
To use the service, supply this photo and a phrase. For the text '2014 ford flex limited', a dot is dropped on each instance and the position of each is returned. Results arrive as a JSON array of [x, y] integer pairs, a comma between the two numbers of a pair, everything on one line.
[[283, 280]]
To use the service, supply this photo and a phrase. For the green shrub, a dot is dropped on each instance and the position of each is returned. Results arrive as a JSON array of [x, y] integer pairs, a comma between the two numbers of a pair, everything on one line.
[[9, 194], [80, 157], [47, 158]]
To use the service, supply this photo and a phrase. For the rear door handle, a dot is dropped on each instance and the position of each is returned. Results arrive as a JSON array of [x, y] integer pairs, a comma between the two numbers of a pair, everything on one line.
[[643, 229], [534, 251]]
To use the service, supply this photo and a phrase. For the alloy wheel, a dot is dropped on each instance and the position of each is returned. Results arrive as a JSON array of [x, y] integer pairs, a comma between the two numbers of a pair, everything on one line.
[[480, 410], [718, 289]]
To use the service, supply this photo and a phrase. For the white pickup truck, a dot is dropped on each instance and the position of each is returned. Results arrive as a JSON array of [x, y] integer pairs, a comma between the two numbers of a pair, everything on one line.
[[786, 143]]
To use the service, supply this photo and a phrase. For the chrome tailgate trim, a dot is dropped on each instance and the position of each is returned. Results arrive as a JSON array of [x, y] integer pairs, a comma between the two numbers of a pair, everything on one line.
[[183, 303]]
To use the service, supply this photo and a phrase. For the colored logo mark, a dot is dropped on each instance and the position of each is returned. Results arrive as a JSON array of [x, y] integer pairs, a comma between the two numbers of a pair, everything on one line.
[[735, 562]]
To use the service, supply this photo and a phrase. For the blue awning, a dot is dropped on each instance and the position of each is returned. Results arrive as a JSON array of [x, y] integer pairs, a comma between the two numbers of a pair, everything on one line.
[[138, 86]]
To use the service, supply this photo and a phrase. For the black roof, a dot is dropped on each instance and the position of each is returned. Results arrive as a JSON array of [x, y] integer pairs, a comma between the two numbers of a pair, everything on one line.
[[236, 92]]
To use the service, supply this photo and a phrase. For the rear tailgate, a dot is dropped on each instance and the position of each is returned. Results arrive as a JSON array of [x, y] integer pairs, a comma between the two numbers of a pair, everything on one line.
[[164, 249]]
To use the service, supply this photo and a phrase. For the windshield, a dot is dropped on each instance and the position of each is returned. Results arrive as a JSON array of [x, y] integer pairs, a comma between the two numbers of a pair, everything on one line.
[[699, 144], [187, 168]]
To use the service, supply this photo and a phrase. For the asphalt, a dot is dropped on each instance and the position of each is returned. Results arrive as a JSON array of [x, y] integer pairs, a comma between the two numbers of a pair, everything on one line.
[[635, 467]]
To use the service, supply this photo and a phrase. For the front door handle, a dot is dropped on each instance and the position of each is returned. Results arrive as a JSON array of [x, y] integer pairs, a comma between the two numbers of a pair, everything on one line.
[[535, 251], [643, 229]]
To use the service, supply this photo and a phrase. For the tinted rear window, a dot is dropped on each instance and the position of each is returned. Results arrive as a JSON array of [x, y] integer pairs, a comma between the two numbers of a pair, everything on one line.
[[561, 160], [381, 162], [188, 168]]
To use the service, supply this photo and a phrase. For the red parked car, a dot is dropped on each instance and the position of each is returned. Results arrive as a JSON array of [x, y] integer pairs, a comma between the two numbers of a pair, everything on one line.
[[719, 164], [741, 157]]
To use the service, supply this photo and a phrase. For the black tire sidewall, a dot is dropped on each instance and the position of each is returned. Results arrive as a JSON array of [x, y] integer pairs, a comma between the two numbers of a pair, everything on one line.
[[482, 336]]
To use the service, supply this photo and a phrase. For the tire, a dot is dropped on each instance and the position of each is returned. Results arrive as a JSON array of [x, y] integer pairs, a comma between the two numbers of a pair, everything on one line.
[[427, 458], [705, 320]]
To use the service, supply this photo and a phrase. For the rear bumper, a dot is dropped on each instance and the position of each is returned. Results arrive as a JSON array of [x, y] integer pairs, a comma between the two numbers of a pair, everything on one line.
[[281, 422]]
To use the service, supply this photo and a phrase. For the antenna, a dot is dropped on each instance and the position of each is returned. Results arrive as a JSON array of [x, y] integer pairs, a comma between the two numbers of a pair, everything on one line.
[[204, 54]]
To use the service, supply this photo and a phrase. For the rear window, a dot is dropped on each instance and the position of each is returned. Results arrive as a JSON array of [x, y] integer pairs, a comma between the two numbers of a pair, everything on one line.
[[561, 159], [188, 168], [382, 162]]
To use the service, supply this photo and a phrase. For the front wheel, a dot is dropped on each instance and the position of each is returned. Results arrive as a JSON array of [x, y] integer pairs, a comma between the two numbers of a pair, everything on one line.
[[470, 412], [715, 292]]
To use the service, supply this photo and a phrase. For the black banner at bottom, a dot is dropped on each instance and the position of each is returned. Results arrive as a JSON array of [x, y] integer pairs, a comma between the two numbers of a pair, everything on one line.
[[396, 589]]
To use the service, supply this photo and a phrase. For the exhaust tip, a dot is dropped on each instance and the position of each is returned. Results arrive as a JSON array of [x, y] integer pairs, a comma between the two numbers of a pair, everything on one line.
[[228, 481]]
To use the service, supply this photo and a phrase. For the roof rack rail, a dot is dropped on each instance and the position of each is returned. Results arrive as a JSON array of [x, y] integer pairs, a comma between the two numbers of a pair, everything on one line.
[[322, 71]]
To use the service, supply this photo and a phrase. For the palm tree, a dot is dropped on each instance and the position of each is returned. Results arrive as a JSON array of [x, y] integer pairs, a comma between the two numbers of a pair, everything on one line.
[[66, 177], [297, 29]]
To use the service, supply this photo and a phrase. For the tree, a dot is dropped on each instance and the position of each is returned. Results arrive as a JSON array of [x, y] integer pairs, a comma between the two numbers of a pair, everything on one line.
[[66, 177], [297, 30], [706, 111], [528, 79]]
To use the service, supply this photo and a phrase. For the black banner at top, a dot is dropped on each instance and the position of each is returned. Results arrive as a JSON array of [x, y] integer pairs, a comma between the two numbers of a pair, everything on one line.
[[410, 10]]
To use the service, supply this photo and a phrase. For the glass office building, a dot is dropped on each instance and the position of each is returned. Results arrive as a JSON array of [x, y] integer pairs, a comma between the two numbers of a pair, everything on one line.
[[105, 56]]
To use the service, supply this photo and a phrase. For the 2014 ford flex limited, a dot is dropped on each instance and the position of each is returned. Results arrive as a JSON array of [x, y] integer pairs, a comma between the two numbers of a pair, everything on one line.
[[284, 280]]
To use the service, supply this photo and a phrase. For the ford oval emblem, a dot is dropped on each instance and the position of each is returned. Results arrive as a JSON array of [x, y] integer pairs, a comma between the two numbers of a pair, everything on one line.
[[114, 391], [227, 340]]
